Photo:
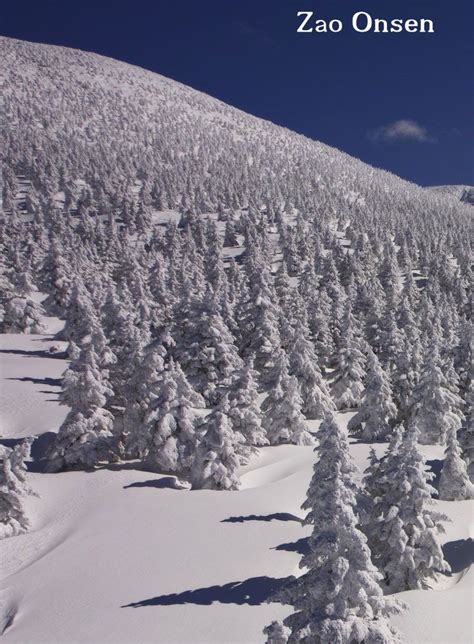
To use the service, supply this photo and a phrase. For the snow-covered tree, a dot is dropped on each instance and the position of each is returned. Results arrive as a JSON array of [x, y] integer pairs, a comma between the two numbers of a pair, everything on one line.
[[85, 437], [21, 315], [435, 409], [283, 419], [216, 459], [377, 411], [316, 398], [399, 521], [13, 487], [259, 330], [170, 424], [347, 385], [454, 483], [141, 389], [205, 348], [338, 598], [244, 410]]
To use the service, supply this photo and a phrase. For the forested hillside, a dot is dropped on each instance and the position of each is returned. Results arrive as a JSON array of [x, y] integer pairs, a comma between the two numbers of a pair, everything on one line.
[[226, 287]]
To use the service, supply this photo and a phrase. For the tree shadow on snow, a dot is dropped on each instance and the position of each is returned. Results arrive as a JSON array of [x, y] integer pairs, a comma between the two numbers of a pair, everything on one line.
[[278, 516], [50, 382], [435, 466], [59, 355], [301, 546], [253, 591], [459, 554], [38, 449], [166, 482]]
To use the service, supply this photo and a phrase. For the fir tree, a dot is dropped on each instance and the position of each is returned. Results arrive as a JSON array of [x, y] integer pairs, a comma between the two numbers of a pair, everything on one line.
[[347, 385], [170, 424], [283, 419], [400, 524], [376, 413], [454, 483], [244, 410], [338, 598], [216, 460], [85, 437], [316, 398], [13, 487], [205, 349], [434, 408]]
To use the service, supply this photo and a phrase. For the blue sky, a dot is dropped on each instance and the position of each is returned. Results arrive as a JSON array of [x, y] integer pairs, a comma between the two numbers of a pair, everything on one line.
[[403, 102]]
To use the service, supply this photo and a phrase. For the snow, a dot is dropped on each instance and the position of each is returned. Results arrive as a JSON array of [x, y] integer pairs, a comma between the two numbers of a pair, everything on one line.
[[117, 555]]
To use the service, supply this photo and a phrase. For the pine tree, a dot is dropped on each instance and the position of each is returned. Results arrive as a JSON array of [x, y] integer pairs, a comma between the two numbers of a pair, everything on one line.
[[80, 315], [258, 317], [454, 483], [376, 413], [216, 460], [21, 315], [338, 598], [283, 419], [230, 234], [399, 522]]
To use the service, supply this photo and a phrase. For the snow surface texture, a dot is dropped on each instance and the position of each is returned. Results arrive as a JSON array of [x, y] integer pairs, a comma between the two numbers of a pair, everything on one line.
[[118, 555]]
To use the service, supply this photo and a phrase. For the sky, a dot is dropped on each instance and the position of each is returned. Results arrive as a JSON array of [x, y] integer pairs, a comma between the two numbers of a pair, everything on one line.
[[403, 102]]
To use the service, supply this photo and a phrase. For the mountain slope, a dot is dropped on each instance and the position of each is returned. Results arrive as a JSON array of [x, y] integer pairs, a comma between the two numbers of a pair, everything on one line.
[[336, 259], [463, 193], [73, 117]]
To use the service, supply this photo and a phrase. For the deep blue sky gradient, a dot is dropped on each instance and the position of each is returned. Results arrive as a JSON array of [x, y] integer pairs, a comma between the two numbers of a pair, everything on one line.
[[336, 88]]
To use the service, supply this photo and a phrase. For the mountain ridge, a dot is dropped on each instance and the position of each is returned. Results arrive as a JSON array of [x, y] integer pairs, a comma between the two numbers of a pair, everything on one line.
[[159, 125]]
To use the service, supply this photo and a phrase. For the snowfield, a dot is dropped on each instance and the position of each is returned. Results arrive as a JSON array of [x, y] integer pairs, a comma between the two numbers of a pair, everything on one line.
[[118, 555]]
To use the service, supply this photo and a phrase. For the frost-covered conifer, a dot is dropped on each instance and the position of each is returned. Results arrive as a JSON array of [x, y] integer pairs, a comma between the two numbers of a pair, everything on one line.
[[205, 349], [217, 459], [283, 419], [338, 598], [434, 408], [316, 398], [466, 434], [141, 390], [454, 483], [376, 413], [230, 234], [80, 314], [170, 424], [13, 487], [400, 524], [85, 437], [21, 315], [348, 383], [244, 410]]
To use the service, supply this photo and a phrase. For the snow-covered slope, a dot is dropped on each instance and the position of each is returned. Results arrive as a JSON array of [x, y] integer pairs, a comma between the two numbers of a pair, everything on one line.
[[116, 555], [73, 119], [463, 193]]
